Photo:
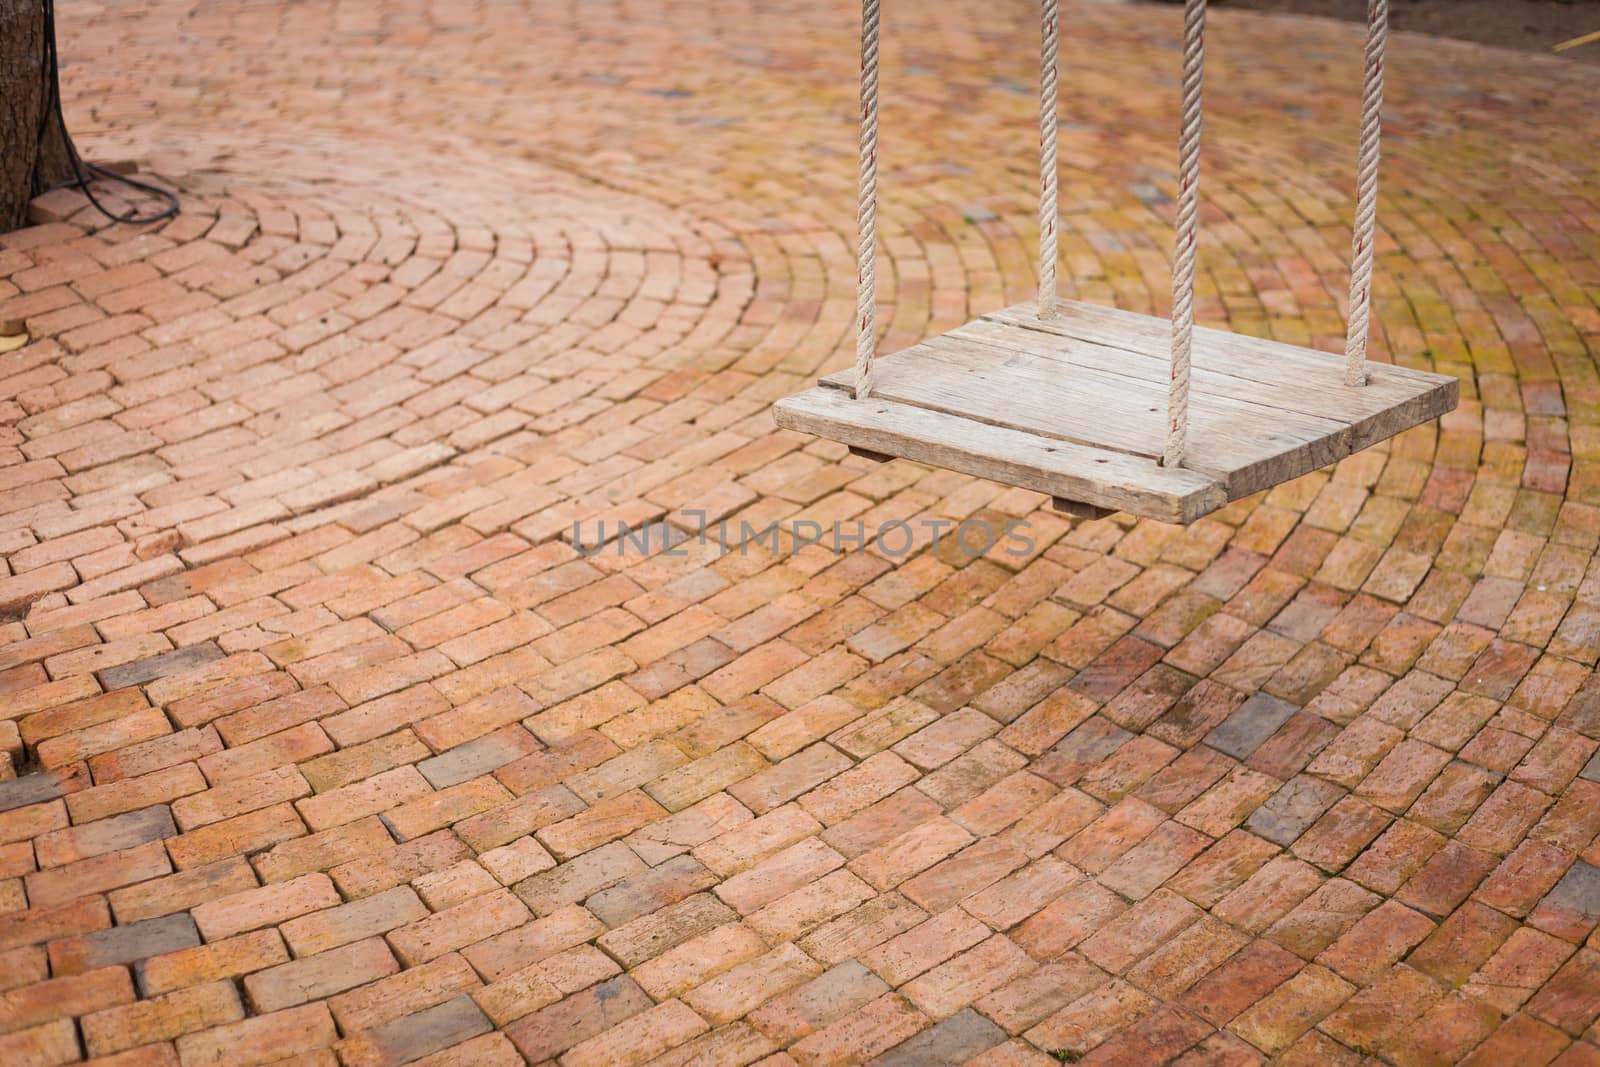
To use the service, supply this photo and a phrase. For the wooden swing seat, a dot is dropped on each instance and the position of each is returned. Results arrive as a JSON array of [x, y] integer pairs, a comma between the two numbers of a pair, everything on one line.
[[1075, 406]]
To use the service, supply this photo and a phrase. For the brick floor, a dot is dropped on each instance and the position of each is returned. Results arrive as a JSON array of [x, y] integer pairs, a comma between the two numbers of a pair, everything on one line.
[[327, 735]]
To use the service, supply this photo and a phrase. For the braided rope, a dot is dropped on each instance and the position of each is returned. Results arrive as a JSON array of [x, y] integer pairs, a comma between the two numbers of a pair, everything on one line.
[[1049, 47], [1183, 257], [1355, 341], [867, 203]]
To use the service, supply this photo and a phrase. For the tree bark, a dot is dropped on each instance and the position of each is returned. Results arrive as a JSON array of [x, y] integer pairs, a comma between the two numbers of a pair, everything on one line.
[[29, 164]]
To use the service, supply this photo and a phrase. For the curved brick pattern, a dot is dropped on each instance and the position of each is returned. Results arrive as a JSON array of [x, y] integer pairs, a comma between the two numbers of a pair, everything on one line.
[[323, 733]]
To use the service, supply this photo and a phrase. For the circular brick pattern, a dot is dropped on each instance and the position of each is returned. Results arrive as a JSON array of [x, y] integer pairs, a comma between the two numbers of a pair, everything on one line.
[[331, 735]]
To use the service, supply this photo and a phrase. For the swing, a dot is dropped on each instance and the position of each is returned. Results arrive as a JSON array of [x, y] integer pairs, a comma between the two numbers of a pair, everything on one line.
[[1092, 405]]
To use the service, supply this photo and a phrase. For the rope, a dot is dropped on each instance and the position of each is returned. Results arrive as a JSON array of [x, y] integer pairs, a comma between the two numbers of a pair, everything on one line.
[[867, 202], [1183, 257], [1049, 45], [1355, 341]]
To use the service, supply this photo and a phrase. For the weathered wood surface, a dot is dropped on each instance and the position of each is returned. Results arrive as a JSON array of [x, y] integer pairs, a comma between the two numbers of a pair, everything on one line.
[[1102, 478], [1284, 376], [1237, 443], [1261, 412]]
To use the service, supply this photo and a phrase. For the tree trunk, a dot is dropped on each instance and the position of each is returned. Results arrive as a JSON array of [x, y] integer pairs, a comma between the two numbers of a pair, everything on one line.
[[29, 163]]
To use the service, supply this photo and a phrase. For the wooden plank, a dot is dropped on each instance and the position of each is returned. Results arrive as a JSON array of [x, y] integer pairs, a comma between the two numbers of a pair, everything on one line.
[[1304, 381], [1092, 476], [1239, 355], [1244, 446], [1289, 376], [1316, 389]]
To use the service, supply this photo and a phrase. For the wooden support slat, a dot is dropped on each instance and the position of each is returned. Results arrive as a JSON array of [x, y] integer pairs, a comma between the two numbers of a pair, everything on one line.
[[1078, 509], [1056, 468]]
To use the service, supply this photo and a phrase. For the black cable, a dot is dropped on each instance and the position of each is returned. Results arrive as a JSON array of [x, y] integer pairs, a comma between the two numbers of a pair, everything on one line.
[[80, 179]]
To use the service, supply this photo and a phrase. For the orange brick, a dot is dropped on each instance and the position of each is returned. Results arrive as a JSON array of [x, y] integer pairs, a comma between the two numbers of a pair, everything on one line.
[[227, 958], [182, 890], [161, 1019], [267, 905], [455, 928], [261, 1039], [340, 925], [57, 998], [243, 833], [318, 977]]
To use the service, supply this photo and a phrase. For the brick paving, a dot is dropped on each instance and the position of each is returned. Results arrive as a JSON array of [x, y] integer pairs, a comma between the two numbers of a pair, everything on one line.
[[324, 741]]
